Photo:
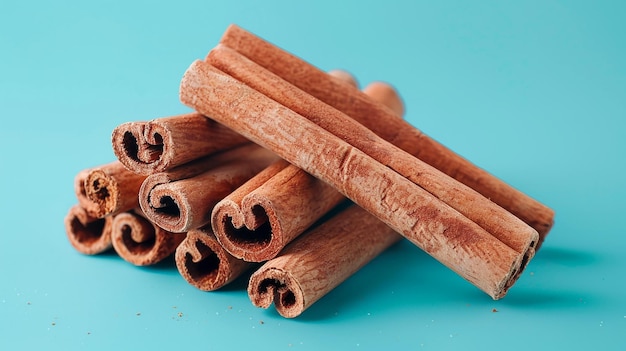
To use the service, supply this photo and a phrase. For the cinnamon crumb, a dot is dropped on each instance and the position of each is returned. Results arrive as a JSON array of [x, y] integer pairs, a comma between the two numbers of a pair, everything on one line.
[[494, 310]]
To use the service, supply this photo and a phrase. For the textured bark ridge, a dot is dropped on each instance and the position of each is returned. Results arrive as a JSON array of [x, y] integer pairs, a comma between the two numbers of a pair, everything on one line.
[[430, 223], [141, 242], [164, 143], [182, 199], [260, 218], [319, 260], [357, 105], [493, 218], [204, 263], [87, 234]]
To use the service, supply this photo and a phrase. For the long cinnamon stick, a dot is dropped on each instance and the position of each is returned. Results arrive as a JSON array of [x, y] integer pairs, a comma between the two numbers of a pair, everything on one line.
[[319, 260], [260, 218], [453, 239], [399, 132], [493, 218], [87, 234], [164, 143], [204, 263], [112, 188], [182, 199], [141, 242]]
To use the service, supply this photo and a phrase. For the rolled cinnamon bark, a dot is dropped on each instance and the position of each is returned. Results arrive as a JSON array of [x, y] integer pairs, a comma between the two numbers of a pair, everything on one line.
[[398, 132], [164, 143], [494, 219], [443, 232], [141, 242], [204, 263], [261, 217], [258, 219], [319, 260], [87, 234], [113, 189], [182, 199]]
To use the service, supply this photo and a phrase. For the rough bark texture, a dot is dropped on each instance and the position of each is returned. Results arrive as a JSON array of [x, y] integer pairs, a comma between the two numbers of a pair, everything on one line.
[[450, 237], [494, 219], [357, 105], [260, 218]]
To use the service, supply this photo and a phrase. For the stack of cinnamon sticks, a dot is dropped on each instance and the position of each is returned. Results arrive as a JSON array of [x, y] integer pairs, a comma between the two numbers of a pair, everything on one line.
[[301, 176]]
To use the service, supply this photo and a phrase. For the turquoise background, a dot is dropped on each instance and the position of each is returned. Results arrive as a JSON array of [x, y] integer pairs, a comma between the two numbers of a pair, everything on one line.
[[534, 92]]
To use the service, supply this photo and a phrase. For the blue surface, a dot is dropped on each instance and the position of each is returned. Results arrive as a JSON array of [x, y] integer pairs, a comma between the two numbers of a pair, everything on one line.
[[534, 92]]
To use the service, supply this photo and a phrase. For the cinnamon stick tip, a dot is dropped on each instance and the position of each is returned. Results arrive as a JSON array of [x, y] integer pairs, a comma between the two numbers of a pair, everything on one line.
[[277, 286], [203, 263], [87, 234]]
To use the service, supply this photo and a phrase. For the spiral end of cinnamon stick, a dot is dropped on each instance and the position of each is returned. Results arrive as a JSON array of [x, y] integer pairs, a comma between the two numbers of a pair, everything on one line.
[[250, 233], [140, 242], [167, 208], [141, 147], [204, 263], [274, 285], [88, 235]]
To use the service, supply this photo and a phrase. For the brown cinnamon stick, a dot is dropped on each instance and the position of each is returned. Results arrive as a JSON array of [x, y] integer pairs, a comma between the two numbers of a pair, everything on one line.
[[112, 188], [182, 199], [358, 106], [141, 242], [260, 218], [493, 218], [87, 234], [164, 143], [450, 237], [319, 260], [204, 263]]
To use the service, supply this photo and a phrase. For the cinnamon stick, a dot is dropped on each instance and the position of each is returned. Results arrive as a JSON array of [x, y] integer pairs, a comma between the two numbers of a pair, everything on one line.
[[260, 218], [204, 263], [493, 218], [164, 143], [112, 189], [319, 260], [141, 242], [398, 132], [182, 199], [450, 237], [87, 234]]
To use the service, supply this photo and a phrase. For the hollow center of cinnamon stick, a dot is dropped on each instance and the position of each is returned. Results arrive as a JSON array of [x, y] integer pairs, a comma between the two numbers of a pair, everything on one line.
[[88, 233], [145, 153], [100, 190], [282, 293], [136, 244], [168, 207], [204, 269], [246, 238]]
